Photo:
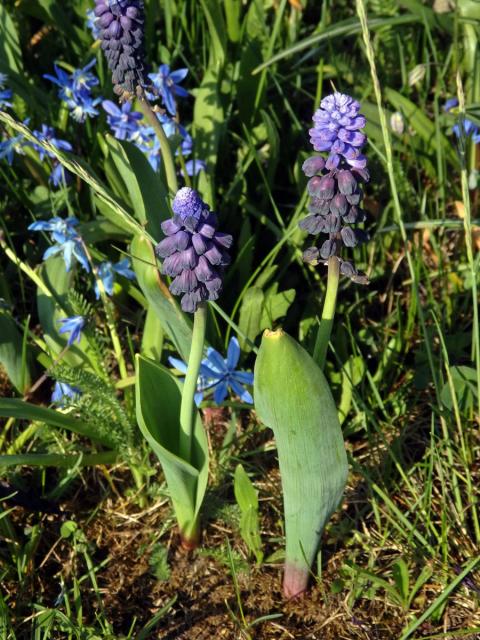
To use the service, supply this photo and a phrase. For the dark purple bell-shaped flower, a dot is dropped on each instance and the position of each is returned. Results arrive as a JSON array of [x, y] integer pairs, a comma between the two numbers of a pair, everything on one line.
[[121, 24], [194, 253]]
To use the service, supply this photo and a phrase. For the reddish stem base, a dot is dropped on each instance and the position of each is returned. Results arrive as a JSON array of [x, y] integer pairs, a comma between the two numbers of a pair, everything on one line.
[[295, 581], [190, 541]]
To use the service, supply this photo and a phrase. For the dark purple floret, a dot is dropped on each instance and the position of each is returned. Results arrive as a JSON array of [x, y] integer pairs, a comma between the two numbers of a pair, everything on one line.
[[194, 251], [121, 24], [334, 184]]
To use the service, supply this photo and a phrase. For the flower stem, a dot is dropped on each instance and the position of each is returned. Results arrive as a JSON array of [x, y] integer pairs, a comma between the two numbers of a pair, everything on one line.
[[187, 409], [328, 313], [167, 155]]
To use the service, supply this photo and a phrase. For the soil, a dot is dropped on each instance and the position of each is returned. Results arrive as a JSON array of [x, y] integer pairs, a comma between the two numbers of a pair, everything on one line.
[[199, 595]]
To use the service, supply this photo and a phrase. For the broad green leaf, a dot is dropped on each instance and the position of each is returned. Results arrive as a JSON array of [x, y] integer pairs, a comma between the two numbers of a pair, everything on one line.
[[217, 28], [158, 399], [208, 124], [250, 321], [10, 51], [401, 578], [232, 12], [352, 373], [13, 357], [15, 408], [255, 39], [147, 193], [293, 398], [246, 497], [245, 492], [153, 334], [276, 305], [171, 317], [465, 386]]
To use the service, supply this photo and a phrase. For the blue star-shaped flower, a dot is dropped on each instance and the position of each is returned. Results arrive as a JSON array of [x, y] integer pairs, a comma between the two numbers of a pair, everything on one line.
[[106, 273], [468, 129], [5, 94], [122, 121], [91, 23], [59, 176], [75, 90], [166, 83], [58, 227], [62, 392], [219, 374], [12, 145], [74, 326], [47, 134], [67, 241]]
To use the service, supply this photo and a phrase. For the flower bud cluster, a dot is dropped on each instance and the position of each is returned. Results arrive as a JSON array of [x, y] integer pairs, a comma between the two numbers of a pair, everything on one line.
[[194, 253], [122, 34], [335, 185]]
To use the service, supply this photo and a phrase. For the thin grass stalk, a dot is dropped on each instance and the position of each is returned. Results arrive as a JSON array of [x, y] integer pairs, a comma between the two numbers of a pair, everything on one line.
[[467, 225], [360, 6], [463, 448]]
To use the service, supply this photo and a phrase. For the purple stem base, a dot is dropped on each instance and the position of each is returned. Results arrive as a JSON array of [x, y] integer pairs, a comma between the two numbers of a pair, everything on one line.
[[295, 580]]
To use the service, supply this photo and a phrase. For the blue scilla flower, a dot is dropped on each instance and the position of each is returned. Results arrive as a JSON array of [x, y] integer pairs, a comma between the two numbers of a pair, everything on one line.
[[58, 227], [193, 167], [11, 146], [66, 238], [450, 104], [465, 128], [5, 94], [75, 90], [83, 106], [74, 326], [47, 134], [122, 120], [166, 82], [91, 24], [468, 129], [63, 392], [146, 140], [59, 176], [336, 129], [218, 374], [106, 273]]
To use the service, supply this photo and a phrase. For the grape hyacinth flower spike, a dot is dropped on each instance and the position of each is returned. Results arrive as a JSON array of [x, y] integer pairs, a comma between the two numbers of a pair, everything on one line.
[[121, 24], [336, 191], [335, 184], [194, 253]]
